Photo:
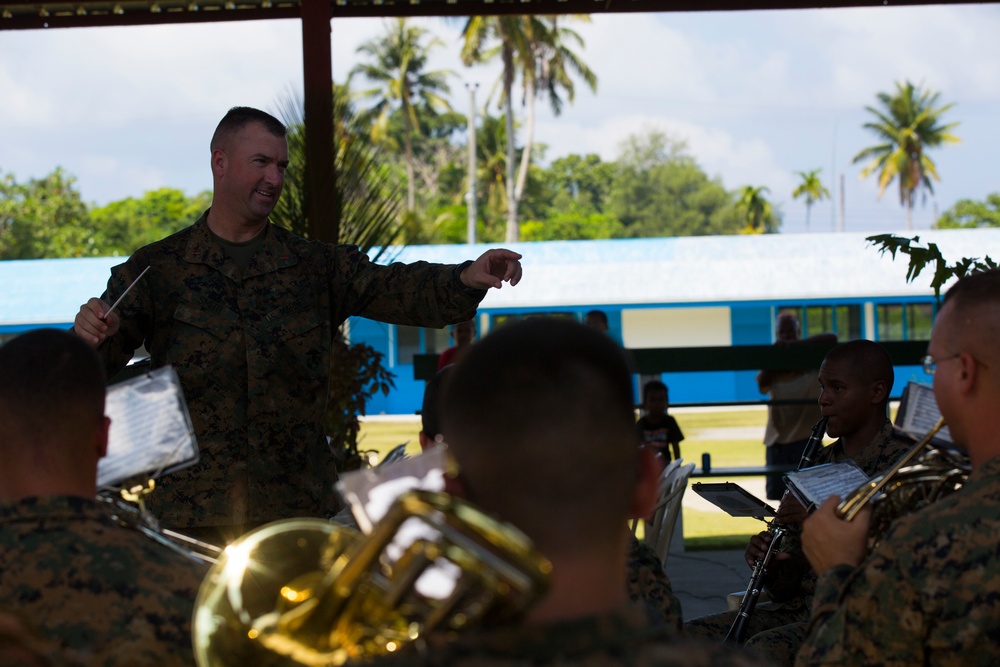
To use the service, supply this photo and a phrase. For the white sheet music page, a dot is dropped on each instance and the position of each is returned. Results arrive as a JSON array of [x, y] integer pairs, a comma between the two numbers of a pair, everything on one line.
[[812, 486], [151, 432], [918, 413]]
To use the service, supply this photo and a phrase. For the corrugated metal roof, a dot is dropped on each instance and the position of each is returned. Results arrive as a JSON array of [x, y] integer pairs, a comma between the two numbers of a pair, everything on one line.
[[639, 272]]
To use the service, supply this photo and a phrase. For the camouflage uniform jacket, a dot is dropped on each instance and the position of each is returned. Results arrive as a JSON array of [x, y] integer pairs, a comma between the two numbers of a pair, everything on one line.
[[253, 355], [927, 594], [629, 637], [649, 584], [794, 581], [103, 593]]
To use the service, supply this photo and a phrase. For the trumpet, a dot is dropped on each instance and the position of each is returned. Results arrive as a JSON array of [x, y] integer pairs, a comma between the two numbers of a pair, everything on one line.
[[741, 625], [923, 475], [312, 592]]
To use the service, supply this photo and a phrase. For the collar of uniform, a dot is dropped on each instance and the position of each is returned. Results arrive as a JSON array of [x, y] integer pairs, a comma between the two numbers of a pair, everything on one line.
[[202, 248], [273, 253], [33, 507]]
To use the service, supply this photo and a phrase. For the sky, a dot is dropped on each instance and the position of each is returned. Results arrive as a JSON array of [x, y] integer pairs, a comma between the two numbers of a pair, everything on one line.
[[756, 96]]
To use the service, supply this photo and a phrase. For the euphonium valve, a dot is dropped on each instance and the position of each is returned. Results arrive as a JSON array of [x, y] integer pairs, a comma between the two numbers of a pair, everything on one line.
[[313, 592]]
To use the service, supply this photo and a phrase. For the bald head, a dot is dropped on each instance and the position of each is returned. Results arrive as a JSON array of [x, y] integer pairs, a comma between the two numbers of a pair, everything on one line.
[[539, 417], [974, 327]]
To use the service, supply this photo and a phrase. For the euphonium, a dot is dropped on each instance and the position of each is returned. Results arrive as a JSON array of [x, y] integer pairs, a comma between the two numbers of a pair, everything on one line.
[[313, 592], [741, 624], [921, 476]]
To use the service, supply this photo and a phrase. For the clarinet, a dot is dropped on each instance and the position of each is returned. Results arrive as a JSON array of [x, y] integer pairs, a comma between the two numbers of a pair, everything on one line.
[[738, 631]]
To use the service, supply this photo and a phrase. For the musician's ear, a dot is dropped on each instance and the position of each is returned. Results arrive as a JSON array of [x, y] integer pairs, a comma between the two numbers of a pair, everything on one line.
[[880, 389], [102, 437], [648, 477]]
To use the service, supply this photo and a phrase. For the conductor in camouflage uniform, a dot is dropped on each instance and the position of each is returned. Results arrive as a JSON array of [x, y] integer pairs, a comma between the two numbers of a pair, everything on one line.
[[96, 592], [569, 472], [927, 593], [855, 380], [247, 312]]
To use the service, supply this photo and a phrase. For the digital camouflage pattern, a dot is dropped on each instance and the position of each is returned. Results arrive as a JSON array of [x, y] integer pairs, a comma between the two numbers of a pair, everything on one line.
[[776, 628], [630, 637], [927, 594], [252, 350], [649, 584], [98, 593]]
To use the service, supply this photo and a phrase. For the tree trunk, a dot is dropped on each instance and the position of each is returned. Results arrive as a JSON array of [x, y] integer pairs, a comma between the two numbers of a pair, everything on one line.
[[513, 229], [411, 198], [529, 141]]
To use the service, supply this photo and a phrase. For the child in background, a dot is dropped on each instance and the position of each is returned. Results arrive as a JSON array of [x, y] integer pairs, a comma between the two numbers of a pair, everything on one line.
[[657, 429]]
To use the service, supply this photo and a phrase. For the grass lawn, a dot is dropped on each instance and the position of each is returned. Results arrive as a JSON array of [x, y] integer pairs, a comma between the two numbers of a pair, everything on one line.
[[731, 437]]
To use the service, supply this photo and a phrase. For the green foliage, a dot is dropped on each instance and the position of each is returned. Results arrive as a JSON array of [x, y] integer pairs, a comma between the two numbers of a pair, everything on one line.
[[812, 189], [659, 190], [921, 257], [126, 225], [44, 218], [908, 123], [969, 214], [756, 211], [571, 226]]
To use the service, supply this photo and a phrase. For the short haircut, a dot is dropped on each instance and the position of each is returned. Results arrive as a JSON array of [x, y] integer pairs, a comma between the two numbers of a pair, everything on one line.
[[867, 360], [975, 301], [52, 384], [239, 117], [598, 314], [539, 416], [430, 409], [653, 385]]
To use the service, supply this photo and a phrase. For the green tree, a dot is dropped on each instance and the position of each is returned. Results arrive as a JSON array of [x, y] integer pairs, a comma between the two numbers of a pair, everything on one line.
[[124, 226], [758, 213], [812, 189], [908, 124], [930, 255], [570, 226], [969, 214], [398, 67], [659, 190], [44, 217]]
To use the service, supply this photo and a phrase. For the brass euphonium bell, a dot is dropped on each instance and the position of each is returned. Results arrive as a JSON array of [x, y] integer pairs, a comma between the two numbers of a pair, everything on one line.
[[313, 592]]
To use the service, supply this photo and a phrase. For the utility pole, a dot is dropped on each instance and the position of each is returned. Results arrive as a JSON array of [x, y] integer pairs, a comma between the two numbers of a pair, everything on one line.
[[841, 202], [470, 196]]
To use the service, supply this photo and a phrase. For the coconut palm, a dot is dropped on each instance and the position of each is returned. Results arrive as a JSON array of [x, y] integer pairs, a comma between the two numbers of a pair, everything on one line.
[[756, 210], [812, 189], [536, 48], [397, 67], [908, 123]]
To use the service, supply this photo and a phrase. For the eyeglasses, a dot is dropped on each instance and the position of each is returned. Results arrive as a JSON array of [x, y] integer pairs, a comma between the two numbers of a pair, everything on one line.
[[930, 363]]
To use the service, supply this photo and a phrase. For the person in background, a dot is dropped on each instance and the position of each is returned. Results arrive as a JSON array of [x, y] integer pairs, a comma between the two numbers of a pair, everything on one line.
[[98, 590], [789, 424], [657, 429], [596, 320], [463, 335]]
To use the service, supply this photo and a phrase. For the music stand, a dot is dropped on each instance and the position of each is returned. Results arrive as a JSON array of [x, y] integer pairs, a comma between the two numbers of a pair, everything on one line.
[[734, 500]]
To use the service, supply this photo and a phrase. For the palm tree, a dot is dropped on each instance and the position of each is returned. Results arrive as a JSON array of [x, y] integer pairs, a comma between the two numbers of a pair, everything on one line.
[[534, 47], [812, 189], [908, 124], [397, 67], [756, 209]]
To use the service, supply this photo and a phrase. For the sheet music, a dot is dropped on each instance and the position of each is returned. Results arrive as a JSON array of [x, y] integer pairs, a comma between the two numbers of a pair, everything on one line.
[[812, 486], [918, 413], [151, 431]]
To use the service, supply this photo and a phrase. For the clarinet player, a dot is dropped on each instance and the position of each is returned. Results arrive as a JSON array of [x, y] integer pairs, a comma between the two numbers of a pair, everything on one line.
[[855, 381]]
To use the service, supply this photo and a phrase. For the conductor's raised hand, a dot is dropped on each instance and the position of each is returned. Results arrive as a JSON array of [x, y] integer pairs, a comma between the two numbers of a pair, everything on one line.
[[94, 324], [492, 269], [829, 540]]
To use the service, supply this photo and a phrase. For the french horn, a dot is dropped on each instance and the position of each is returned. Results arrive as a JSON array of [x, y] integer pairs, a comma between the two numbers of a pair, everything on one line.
[[923, 475], [313, 592]]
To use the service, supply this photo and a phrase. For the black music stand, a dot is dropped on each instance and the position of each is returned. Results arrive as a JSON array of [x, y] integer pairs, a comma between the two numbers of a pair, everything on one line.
[[734, 500]]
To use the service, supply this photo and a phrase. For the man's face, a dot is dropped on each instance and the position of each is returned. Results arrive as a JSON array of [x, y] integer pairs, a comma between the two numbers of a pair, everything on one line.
[[463, 333], [254, 172], [787, 329], [656, 402], [942, 346], [845, 399]]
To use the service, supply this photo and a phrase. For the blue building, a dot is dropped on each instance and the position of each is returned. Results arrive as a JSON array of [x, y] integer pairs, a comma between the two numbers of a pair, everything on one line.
[[657, 293]]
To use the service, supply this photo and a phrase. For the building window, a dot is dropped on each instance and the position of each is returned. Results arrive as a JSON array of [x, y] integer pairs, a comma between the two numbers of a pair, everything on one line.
[[911, 321], [407, 343], [500, 320], [845, 321]]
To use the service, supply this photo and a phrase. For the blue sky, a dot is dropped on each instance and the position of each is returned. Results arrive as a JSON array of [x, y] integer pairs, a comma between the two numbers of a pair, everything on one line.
[[757, 96]]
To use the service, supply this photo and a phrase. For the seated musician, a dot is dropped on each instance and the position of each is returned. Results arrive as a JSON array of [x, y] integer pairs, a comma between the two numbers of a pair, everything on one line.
[[855, 380], [97, 592], [539, 418], [927, 593]]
